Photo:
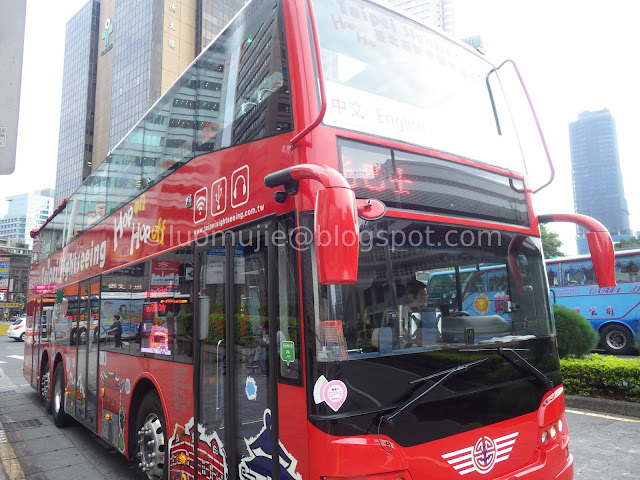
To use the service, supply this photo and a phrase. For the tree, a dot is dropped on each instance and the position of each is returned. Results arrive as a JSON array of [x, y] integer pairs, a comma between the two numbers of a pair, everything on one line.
[[551, 244], [633, 242]]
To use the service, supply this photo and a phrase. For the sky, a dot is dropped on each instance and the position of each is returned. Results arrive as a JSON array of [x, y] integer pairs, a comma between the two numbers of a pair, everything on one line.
[[574, 55]]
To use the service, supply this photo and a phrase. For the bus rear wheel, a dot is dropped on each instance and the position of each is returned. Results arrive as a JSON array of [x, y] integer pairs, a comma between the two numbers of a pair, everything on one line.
[[616, 340], [150, 438], [59, 417]]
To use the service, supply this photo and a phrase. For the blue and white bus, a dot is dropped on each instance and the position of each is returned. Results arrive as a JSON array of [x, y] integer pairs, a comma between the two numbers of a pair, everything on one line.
[[614, 312]]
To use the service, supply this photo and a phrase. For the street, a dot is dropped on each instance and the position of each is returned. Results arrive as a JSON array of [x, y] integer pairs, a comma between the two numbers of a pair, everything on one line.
[[603, 446]]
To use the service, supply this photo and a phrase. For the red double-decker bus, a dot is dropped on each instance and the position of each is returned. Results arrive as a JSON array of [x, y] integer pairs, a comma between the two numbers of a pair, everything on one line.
[[234, 292]]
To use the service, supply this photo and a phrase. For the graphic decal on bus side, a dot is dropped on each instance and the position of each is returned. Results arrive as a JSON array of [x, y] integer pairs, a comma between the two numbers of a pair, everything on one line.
[[111, 381], [483, 456], [333, 393], [257, 466], [212, 460]]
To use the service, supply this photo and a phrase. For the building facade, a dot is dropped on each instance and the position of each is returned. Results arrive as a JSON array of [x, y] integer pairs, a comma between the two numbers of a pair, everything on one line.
[[15, 257], [26, 212], [436, 13], [598, 189], [120, 57], [75, 137]]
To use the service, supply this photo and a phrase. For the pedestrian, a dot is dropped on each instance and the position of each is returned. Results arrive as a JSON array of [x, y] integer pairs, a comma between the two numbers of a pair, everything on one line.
[[116, 328]]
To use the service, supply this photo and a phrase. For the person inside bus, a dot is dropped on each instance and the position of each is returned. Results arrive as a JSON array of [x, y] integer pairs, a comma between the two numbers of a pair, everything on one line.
[[412, 312], [261, 356], [116, 329]]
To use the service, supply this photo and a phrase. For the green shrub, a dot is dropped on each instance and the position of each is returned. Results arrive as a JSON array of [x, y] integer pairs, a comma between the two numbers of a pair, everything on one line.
[[602, 377], [575, 334]]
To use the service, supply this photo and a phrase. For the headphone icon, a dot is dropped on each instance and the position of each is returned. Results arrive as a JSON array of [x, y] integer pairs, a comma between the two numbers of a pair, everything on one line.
[[244, 186]]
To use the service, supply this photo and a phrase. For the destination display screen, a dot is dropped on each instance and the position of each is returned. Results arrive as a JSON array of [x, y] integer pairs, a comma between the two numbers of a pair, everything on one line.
[[428, 184]]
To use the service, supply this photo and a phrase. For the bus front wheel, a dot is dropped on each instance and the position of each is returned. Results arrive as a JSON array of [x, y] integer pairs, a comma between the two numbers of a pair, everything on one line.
[[45, 387], [150, 438], [616, 340]]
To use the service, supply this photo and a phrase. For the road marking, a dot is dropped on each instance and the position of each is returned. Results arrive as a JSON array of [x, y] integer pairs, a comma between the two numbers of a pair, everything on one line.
[[600, 415], [17, 357], [2, 361]]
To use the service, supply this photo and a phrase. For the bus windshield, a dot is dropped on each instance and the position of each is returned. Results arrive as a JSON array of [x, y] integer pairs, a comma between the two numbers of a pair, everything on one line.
[[389, 76], [426, 288]]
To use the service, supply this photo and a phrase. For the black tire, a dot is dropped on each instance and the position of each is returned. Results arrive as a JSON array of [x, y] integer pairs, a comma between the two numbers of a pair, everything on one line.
[[45, 388], [22, 337], [60, 418], [616, 339], [151, 443]]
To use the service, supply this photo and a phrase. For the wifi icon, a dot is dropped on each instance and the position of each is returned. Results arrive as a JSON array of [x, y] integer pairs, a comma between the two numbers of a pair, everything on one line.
[[200, 205]]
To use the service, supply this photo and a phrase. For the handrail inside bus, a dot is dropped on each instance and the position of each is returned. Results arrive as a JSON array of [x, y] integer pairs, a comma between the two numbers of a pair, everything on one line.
[[535, 117], [323, 97], [63, 204]]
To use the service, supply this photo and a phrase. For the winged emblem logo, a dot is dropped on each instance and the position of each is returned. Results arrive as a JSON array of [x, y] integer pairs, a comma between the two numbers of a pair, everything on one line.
[[482, 456]]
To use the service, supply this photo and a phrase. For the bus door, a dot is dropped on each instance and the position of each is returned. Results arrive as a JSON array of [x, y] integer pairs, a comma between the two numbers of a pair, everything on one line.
[[236, 381], [86, 371], [31, 343]]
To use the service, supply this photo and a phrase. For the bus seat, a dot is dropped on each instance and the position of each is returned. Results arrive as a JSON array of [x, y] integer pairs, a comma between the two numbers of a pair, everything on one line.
[[381, 338]]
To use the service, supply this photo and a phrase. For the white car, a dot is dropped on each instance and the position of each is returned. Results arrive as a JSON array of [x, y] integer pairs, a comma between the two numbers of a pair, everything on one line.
[[16, 329]]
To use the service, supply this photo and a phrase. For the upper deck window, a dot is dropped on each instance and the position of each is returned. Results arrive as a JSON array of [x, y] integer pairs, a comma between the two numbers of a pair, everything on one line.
[[392, 77]]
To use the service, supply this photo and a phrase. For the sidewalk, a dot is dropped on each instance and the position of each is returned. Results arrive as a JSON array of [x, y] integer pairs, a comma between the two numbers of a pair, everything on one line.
[[603, 405], [10, 468]]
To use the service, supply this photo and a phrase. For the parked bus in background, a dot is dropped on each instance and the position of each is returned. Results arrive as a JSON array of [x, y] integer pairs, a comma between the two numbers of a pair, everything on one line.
[[613, 312], [393, 153]]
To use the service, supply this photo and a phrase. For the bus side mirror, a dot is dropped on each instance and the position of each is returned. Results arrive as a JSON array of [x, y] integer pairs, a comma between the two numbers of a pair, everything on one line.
[[603, 258], [600, 245], [336, 232], [203, 317], [336, 236]]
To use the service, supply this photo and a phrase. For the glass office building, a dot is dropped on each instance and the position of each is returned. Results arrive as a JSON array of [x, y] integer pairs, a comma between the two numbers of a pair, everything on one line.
[[26, 212], [75, 141], [598, 189], [120, 57]]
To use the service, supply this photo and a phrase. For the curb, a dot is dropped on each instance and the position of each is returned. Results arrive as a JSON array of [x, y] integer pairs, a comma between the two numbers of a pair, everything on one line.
[[9, 465], [603, 405]]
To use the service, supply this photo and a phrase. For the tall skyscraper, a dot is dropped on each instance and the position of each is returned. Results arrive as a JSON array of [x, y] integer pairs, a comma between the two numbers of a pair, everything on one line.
[[75, 138], [598, 190], [26, 212], [437, 13], [120, 57]]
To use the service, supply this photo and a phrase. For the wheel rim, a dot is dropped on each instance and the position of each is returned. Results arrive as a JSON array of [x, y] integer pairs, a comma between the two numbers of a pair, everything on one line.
[[151, 447], [44, 387], [616, 340]]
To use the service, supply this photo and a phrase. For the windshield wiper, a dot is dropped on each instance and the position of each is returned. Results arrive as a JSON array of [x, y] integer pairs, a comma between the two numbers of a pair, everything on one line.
[[525, 363], [449, 372]]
